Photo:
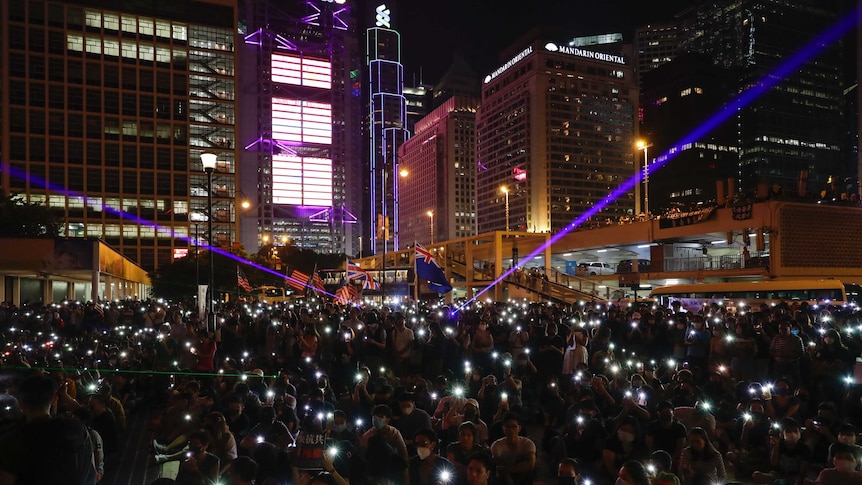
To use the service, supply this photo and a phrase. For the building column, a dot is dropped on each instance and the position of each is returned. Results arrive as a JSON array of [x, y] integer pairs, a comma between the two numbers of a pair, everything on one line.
[[94, 286], [70, 291], [47, 287], [16, 291], [468, 268], [498, 264]]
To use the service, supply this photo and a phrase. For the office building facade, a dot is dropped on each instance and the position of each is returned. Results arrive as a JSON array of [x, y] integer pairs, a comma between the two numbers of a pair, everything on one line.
[[555, 129], [438, 195], [301, 125], [106, 112]]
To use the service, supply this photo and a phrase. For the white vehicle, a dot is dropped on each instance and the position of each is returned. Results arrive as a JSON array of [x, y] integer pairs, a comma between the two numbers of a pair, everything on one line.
[[595, 268]]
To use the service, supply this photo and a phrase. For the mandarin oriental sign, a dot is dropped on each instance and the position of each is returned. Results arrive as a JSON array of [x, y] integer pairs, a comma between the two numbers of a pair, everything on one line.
[[500, 70], [574, 51]]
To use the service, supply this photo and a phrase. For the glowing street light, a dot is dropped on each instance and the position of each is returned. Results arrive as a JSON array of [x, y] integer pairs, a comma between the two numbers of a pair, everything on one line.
[[209, 161], [643, 145], [505, 190], [431, 217]]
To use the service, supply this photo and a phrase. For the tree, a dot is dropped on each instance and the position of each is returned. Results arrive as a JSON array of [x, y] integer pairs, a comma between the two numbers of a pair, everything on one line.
[[21, 219]]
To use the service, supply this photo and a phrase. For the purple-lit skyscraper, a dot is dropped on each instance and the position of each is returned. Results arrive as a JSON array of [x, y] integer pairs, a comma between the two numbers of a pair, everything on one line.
[[387, 127], [300, 124]]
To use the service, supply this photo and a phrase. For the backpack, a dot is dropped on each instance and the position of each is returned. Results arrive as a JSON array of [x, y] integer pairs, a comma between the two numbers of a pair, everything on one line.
[[56, 451]]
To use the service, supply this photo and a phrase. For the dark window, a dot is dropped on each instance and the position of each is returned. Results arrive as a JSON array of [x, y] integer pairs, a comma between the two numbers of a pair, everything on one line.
[[37, 13], [181, 160], [94, 101], [56, 70], [17, 37], [130, 156], [181, 185], [163, 84], [56, 123], [17, 10], [37, 149], [180, 135], [112, 76], [17, 120], [57, 151], [18, 148], [17, 93], [164, 158], [37, 67], [75, 99], [163, 108], [112, 155], [180, 85], [55, 15], [112, 181], [57, 175], [76, 152], [112, 102], [94, 153], [130, 78], [130, 104], [180, 111], [94, 74], [146, 81], [75, 72], [94, 127], [17, 65], [37, 122], [94, 180], [164, 185], [76, 179], [37, 39], [74, 18], [76, 125], [56, 97], [147, 183], [130, 182], [146, 157], [37, 95], [146, 108]]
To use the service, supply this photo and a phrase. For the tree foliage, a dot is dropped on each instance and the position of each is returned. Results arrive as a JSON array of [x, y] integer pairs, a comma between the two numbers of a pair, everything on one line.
[[21, 219]]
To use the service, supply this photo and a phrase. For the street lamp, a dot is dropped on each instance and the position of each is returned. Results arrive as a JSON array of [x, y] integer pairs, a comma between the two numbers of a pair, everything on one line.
[[505, 190], [209, 160], [642, 145], [431, 216]]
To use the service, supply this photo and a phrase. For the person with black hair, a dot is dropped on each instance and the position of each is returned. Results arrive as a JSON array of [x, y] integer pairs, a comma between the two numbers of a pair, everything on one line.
[[198, 461], [700, 462], [514, 455], [25, 450], [242, 471], [427, 467], [479, 469]]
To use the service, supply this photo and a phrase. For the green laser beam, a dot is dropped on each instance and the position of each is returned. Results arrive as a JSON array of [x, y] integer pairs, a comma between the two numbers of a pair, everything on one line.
[[128, 371]]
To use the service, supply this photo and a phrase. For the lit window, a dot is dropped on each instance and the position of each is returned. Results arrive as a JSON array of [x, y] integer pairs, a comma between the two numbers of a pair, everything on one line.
[[685, 92]]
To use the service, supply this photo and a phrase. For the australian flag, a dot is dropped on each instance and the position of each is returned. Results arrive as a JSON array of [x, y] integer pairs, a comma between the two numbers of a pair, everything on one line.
[[428, 269]]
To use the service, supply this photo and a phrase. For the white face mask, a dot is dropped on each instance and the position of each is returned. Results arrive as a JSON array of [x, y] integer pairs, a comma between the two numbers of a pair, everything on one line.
[[423, 452]]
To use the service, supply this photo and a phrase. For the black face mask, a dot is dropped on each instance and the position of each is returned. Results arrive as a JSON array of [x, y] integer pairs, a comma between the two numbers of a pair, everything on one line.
[[566, 481]]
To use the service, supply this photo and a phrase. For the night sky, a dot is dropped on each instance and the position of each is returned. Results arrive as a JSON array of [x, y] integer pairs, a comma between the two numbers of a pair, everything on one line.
[[479, 29]]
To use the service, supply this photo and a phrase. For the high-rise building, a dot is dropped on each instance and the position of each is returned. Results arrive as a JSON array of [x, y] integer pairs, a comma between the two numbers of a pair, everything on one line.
[[438, 192], [556, 130], [386, 127], [654, 45], [459, 80], [112, 105], [675, 97], [301, 124], [418, 101], [787, 136]]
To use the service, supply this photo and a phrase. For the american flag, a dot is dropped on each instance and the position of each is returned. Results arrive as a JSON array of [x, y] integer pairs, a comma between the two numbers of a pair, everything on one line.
[[347, 293], [316, 281], [242, 280], [296, 279]]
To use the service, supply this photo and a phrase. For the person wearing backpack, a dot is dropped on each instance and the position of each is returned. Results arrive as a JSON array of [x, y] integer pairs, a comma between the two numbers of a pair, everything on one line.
[[45, 449]]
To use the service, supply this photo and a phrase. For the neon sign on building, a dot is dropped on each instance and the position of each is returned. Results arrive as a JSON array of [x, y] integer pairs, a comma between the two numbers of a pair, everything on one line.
[[301, 181], [301, 121], [301, 71]]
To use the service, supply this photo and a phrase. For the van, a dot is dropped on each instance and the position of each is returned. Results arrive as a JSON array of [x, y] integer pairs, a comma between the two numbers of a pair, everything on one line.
[[595, 268], [625, 266]]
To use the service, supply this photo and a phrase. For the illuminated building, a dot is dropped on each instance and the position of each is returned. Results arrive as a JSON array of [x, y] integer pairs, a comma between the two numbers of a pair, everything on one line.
[[300, 124], [556, 129], [386, 128], [440, 159], [113, 106], [418, 102], [459, 80], [789, 136], [655, 44]]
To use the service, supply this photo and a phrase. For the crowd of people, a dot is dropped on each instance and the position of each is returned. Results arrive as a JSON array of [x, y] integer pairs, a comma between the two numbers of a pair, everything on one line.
[[318, 392]]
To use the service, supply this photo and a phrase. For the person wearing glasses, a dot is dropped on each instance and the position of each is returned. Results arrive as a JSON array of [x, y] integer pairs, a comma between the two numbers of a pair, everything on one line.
[[514, 455]]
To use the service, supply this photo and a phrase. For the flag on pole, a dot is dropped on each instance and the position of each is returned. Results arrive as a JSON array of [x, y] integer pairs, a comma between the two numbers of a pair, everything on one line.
[[296, 279], [315, 283], [242, 280], [428, 269], [370, 284], [347, 293], [354, 272]]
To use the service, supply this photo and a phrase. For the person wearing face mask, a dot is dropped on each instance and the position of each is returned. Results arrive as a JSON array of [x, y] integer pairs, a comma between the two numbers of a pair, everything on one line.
[[783, 403], [842, 472], [700, 463], [623, 446], [383, 447], [846, 442], [427, 467], [750, 440], [666, 433], [789, 457], [340, 430], [464, 410], [412, 419]]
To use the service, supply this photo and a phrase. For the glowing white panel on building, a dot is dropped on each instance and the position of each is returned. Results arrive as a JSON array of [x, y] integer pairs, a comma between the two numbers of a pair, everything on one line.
[[301, 71], [301, 121], [301, 181]]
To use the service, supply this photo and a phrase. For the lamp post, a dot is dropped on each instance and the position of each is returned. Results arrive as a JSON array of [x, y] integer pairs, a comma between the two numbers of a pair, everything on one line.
[[505, 191], [208, 160], [431, 216], [642, 145]]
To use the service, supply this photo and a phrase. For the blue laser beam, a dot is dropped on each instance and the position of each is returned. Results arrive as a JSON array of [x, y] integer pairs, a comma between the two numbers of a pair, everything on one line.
[[803, 55]]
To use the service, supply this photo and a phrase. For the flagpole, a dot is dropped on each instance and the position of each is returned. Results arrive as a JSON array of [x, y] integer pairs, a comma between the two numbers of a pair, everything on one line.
[[415, 277]]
